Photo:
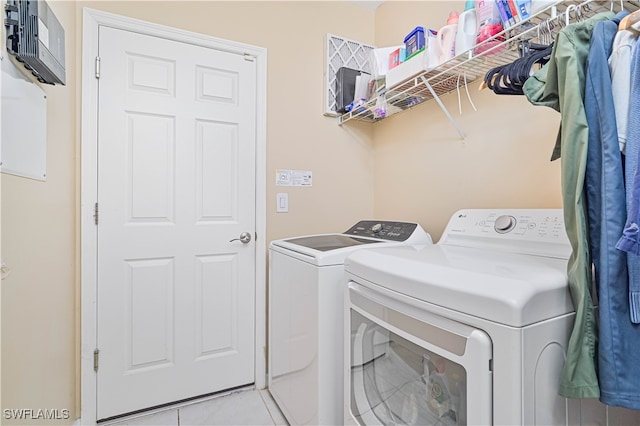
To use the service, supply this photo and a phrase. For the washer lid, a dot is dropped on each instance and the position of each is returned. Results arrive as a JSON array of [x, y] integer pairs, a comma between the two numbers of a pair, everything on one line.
[[511, 289], [323, 249], [329, 241]]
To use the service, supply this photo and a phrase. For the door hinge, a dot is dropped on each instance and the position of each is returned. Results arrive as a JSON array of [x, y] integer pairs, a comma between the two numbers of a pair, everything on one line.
[[96, 356], [256, 236], [95, 213], [97, 66], [248, 57]]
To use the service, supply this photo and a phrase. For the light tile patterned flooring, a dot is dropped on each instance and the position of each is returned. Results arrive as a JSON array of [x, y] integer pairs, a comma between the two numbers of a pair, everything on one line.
[[246, 407]]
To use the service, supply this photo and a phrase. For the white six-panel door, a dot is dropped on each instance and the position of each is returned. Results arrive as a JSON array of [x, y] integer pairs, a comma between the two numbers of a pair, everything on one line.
[[176, 183]]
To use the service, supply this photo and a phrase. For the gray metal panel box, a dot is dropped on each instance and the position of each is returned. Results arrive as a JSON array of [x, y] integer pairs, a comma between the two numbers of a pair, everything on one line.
[[36, 38]]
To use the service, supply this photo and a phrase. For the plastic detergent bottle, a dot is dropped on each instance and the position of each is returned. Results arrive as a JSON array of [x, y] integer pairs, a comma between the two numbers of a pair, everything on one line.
[[433, 48], [447, 37], [467, 28], [438, 395], [489, 24]]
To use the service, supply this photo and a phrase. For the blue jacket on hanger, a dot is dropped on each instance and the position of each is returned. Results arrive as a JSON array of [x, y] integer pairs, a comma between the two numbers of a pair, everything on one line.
[[619, 339]]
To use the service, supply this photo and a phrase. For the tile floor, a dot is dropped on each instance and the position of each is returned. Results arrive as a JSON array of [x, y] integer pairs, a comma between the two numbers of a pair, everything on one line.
[[245, 407]]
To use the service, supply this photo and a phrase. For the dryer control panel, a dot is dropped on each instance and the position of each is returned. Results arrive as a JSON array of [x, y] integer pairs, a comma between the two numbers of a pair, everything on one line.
[[530, 231], [393, 231]]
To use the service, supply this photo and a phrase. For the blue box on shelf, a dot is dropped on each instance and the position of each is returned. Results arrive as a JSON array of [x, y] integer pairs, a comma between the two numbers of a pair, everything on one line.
[[414, 42]]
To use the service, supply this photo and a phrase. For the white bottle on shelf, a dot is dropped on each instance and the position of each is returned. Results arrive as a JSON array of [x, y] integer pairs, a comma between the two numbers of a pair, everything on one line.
[[432, 43], [447, 38], [467, 28]]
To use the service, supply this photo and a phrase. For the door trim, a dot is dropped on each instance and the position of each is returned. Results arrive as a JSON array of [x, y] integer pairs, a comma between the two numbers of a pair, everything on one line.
[[92, 20]]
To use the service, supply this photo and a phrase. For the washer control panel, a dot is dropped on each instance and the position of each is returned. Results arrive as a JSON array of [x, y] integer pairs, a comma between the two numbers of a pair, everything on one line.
[[393, 231], [532, 231]]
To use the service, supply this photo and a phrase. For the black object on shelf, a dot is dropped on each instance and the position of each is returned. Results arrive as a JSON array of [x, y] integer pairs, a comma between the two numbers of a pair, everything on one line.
[[345, 87]]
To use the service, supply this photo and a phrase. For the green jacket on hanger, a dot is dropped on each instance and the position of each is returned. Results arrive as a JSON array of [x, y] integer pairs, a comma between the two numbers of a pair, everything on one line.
[[560, 85]]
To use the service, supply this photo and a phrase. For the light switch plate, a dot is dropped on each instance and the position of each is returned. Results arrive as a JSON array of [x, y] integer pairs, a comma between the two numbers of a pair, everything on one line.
[[282, 202]]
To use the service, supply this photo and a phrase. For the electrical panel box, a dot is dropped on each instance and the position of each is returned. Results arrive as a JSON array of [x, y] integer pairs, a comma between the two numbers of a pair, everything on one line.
[[36, 38]]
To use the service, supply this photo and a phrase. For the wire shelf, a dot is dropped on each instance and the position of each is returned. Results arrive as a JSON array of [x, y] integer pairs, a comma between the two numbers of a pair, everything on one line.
[[469, 66]]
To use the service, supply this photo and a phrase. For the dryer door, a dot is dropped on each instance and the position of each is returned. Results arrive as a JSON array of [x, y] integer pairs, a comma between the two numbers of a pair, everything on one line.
[[409, 366]]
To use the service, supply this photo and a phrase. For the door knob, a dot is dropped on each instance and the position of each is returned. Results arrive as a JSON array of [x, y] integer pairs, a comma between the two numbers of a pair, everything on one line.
[[245, 238]]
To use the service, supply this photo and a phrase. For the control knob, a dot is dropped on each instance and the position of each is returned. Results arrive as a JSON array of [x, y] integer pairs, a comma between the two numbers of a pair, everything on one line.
[[504, 224], [376, 228]]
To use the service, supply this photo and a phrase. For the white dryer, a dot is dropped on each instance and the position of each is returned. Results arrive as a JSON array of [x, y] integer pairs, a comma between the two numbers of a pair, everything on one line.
[[306, 321], [472, 330]]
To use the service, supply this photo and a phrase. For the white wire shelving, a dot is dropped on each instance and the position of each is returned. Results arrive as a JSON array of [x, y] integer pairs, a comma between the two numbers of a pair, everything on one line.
[[468, 66]]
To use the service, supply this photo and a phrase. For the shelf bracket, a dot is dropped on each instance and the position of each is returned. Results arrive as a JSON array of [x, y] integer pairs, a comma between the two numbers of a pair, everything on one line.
[[442, 107]]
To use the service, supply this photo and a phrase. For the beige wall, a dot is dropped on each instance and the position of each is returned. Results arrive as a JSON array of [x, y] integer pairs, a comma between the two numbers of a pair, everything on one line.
[[38, 239], [424, 171], [40, 222]]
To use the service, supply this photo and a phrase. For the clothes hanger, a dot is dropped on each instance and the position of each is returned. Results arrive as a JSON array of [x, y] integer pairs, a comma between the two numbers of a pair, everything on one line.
[[621, 5], [579, 16], [508, 79], [497, 77], [546, 35], [631, 22], [567, 13]]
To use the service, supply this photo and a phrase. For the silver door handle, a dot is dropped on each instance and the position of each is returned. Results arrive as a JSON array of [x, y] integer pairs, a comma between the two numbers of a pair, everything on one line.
[[245, 238]]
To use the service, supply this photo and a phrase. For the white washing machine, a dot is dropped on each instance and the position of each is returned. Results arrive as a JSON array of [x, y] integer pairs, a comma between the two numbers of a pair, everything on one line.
[[306, 321], [471, 330]]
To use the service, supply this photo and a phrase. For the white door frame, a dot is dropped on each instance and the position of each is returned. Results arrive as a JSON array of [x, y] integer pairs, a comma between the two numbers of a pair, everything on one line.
[[92, 20]]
